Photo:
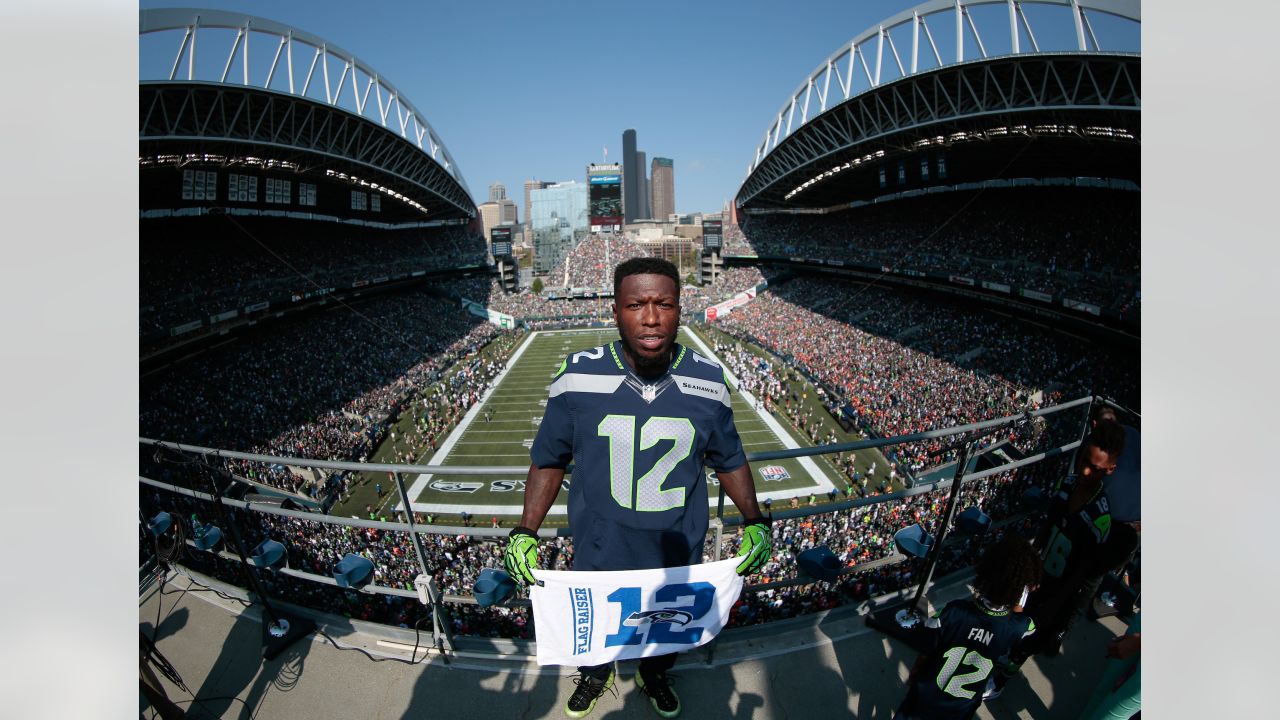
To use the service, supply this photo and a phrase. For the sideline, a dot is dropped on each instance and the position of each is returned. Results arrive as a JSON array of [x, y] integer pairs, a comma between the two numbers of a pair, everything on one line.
[[421, 482], [815, 473]]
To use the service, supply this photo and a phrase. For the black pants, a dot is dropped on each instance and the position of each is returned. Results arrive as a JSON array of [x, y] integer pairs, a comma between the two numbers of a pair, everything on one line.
[[648, 666]]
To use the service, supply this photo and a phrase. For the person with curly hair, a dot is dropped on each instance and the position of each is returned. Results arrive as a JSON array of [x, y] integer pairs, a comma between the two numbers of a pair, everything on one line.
[[970, 637]]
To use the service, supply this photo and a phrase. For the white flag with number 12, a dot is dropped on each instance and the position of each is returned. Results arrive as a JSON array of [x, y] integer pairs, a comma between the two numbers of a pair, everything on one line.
[[590, 618]]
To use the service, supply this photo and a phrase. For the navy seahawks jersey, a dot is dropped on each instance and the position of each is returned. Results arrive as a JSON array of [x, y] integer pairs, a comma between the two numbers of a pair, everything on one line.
[[1072, 546], [967, 639], [638, 449]]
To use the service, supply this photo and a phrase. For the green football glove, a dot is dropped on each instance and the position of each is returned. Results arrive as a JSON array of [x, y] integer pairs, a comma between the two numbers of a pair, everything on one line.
[[521, 556], [757, 546]]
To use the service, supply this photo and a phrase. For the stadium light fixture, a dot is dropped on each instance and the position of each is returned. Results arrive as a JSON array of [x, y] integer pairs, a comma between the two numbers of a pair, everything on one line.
[[160, 524], [353, 571], [820, 563], [972, 521], [913, 541], [268, 555], [205, 537], [493, 586]]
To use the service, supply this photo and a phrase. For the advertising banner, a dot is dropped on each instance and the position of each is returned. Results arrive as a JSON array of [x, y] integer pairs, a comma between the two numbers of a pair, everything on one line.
[[185, 328], [502, 320], [1078, 305], [724, 308]]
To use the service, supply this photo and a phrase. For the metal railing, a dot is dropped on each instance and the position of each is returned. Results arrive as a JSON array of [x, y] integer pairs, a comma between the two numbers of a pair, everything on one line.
[[441, 635]]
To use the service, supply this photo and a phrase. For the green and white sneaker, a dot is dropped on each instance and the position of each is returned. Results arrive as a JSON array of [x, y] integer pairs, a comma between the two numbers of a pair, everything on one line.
[[589, 690], [661, 695]]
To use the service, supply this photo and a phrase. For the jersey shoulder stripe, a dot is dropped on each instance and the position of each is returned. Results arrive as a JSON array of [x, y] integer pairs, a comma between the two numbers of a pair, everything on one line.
[[585, 383]]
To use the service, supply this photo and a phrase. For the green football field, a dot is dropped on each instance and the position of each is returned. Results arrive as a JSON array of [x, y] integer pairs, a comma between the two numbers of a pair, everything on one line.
[[499, 431]]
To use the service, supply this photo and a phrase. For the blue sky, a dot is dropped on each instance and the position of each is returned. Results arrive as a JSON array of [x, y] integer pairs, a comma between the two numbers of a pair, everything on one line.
[[522, 90]]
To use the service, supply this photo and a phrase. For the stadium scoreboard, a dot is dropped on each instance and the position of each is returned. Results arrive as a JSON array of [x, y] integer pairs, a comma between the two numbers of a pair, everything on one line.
[[604, 197], [712, 234], [500, 241]]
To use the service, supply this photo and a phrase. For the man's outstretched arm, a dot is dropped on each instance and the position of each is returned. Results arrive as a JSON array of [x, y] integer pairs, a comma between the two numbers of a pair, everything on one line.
[[741, 489], [540, 490]]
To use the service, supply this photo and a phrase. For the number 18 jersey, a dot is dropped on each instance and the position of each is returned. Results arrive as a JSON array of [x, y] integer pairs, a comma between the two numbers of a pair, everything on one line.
[[638, 448]]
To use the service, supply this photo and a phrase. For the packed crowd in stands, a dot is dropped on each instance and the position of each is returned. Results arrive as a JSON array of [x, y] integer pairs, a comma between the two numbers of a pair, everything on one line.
[[729, 282], [857, 536], [1067, 242], [539, 311], [192, 268], [905, 365], [591, 262], [328, 386]]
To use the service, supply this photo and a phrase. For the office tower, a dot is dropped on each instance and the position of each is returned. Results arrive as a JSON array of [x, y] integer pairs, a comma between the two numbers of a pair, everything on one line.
[[643, 211], [530, 186], [558, 217], [631, 174], [664, 188], [490, 217], [497, 192]]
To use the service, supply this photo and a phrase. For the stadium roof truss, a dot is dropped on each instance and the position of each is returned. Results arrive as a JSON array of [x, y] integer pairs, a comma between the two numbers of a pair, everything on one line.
[[877, 92], [311, 96]]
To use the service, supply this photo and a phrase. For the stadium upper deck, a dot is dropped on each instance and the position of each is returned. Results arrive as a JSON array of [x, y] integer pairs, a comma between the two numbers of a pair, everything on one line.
[[952, 93], [314, 114]]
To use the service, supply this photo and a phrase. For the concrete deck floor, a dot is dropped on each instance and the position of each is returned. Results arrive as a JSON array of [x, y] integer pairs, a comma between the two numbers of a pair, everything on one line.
[[827, 666]]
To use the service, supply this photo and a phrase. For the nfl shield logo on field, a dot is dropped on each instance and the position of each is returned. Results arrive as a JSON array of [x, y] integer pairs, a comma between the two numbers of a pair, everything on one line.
[[774, 472]]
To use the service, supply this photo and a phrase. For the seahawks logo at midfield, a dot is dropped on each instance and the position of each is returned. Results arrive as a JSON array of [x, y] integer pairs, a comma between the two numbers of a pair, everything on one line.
[[651, 617]]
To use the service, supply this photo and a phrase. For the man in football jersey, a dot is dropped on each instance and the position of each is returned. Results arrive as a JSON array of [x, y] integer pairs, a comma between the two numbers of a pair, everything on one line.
[[968, 638], [1079, 544], [638, 418]]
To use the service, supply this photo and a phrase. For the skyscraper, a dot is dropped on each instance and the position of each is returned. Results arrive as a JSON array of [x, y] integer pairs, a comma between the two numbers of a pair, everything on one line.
[[631, 177], [530, 186], [558, 217], [506, 210], [664, 187], [490, 217], [642, 211]]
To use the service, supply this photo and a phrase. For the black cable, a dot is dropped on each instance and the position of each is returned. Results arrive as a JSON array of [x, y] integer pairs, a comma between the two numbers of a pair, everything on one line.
[[417, 627], [202, 701], [201, 587], [417, 642], [155, 629], [151, 654]]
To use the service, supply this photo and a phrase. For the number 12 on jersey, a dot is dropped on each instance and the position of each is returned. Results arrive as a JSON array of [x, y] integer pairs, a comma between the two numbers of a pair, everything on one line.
[[951, 683], [645, 493]]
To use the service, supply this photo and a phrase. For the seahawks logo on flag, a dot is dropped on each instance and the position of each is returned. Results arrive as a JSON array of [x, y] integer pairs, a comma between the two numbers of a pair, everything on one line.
[[595, 617], [774, 473], [647, 617]]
